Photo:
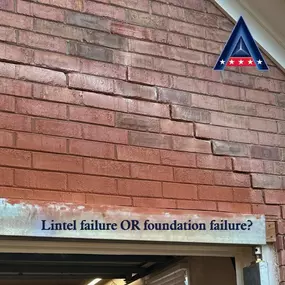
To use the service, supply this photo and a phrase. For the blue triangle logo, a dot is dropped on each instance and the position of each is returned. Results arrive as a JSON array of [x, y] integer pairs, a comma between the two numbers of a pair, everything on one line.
[[241, 50]]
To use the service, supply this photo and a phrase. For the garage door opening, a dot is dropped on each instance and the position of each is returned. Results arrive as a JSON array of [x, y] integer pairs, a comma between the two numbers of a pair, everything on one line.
[[100, 269]]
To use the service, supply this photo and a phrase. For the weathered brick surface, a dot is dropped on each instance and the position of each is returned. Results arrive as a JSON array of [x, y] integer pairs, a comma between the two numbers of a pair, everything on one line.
[[116, 102]]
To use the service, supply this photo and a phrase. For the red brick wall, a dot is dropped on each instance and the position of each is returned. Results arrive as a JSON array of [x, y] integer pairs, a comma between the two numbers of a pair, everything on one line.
[[116, 102]]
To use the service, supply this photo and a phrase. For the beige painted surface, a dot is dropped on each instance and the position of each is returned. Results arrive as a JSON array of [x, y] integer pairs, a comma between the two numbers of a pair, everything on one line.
[[211, 270]]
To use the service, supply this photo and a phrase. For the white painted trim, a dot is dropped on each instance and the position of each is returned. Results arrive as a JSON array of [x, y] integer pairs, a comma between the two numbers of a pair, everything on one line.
[[267, 41], [269, 255]]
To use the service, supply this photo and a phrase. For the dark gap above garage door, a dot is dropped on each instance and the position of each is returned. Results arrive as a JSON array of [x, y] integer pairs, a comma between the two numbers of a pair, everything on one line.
[[80, 267]]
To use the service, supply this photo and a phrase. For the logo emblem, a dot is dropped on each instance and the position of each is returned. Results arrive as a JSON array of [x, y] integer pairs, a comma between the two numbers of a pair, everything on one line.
[[241, 50]]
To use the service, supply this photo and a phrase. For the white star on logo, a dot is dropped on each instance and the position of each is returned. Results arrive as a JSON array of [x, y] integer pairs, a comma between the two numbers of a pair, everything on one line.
[[250, 61], [222, 61], [259, 61], [232, 61], [241, 61]]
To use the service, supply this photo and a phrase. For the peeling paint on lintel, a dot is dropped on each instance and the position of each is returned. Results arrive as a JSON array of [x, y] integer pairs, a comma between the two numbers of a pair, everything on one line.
[[25, 219]]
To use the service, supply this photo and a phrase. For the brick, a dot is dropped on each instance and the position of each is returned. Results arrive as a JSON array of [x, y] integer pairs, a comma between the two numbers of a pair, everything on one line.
[[58, 29], [179, 191], [188, 84], [40, 11], [194, 176], [106, 167], [211, 132], [139, 188], [247, 165], [104, 69], [186, 28], [6, 138], [149, 140], [267, 210], [270, 112], [41, 108], [40, 142], [88, 82], [6, 176], [213, 162], [218, 89], [154, 203], [174, 96], [197, 205], [234, 207], [262, 152], [229, 120], [281, 227], [267, 84], [207, 102], [176, 128], [263, 125], [15, 87], [139, 154], [134, 90], [247, 195], [178, 158], [57, 162], [148, 77], [7, 103], [106, 134], [105, 102], [91, 184], [91, 115], [15, 122], [7, 34], [202, 72], [151, 172], [94, 199], [147, 108], [16, 20], [274, 197], [237, 107], [42, 41], [90, 51], [58, 128], [146, 20], [18, 158], [266, 181], [280, 243], [278, 168], [136, 122], [281, 127], [215, 193], [243, 136], [7, 70], [57, 94], [40, 179], [231, 179], [233, 78], [259, 96], [7, 5], [191, 145], [41, 75], [56, 61], [138, 32], [15, 53], [105, 10], [90, 148], [142, 5], [280, 99], [230, 148], [68, 4], [190, 114], [271, 139], [87, 21]]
